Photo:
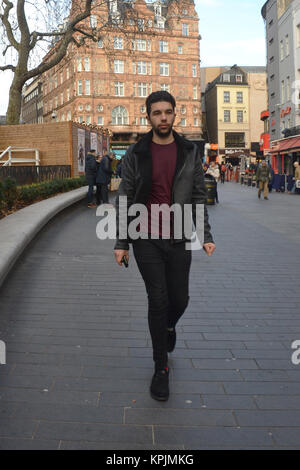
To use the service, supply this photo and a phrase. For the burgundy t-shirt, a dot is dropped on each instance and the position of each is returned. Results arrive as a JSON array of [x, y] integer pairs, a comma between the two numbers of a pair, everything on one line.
[[164, 158]]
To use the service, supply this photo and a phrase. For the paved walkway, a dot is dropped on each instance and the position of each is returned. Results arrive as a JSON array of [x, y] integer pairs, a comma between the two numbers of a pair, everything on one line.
[[78, 351]]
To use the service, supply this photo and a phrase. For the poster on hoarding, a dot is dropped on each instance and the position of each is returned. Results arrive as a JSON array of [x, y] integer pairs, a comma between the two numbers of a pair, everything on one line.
[[81, 150], [93, 137]]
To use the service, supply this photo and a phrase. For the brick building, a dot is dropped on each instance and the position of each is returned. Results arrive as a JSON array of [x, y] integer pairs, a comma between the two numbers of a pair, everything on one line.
[[106, 83]]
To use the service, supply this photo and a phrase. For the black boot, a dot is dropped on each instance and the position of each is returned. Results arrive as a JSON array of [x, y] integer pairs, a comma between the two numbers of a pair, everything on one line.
[[159, 389]]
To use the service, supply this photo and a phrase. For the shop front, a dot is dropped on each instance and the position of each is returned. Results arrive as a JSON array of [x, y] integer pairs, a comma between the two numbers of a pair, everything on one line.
[[284, 153]]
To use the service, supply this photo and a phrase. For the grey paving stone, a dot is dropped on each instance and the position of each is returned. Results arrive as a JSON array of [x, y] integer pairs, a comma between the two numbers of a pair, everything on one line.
[[113, 446], [44, 396], [228, 402], [28, 444], [13, 427], [225, 364], [95, 432], [270, 402], [261, 388], [71, 413], [267, 418], [286, 437], [167, 417], [135, 399], [193, 437]]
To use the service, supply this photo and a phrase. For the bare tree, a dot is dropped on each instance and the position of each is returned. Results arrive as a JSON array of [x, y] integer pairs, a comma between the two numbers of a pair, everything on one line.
[[27, 26]]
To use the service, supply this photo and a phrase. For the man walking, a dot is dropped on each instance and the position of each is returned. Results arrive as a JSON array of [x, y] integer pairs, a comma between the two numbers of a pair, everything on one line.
[[103, 178], [263, 175], [162, 168]]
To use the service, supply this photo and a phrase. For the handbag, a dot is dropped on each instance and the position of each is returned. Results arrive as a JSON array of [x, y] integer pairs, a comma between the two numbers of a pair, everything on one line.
[[298, 184]]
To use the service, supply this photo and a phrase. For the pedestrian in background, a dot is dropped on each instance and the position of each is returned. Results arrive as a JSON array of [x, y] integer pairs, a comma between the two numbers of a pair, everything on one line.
[[297, 177], [223, 172], [90, 174], [103, 178], [263, 176], [214, 171], [119, 168]]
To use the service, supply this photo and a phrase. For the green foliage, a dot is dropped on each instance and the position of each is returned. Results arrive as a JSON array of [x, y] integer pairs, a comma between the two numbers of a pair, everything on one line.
[[11, 195], [10, 192]]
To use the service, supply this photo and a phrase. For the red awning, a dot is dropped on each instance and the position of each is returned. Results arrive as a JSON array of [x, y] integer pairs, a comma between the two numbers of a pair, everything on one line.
[[291, 144]]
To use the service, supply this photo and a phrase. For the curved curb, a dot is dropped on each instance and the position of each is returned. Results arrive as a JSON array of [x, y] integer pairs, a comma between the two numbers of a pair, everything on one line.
[[18, 229]]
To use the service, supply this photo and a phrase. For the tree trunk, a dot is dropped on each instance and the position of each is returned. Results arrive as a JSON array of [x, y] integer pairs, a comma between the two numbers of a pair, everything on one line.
[[15, 101]]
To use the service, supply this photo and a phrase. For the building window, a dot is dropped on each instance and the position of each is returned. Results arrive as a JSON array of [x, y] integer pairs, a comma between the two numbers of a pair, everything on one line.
[[235, 140], [143, 121], [80, 118], [149, 45], [240, 116], [182, 122], [118, 43], [93, 21], [119, 89], [226, 77], [87, 87], [68, 73], [86, 64], [183, 109], [61, 98], [180, 49], [281, 50], [165, 87], [88, 119], [142, 68], [239, 97], [79, 64], [288, 89], [69, 116], [143, 109], [298, 35], [142, 90], [195, 92], [79, 87], [194, 70], [141, 24], [227, 117], [239, 78], [163, 46], [140, 44], [100, 120], [185, 29], [164, 69], [287, 45], [226, 96], [68, 94], [119, 116], [118, 66], [282, 92], [100, 44], [195, 122]]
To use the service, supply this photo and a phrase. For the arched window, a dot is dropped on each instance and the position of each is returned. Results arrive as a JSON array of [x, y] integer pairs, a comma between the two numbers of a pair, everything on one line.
[[119, 115]]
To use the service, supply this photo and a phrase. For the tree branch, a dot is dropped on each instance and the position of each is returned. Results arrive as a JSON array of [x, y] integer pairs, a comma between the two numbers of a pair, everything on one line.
[[7, 24], [7, 67]]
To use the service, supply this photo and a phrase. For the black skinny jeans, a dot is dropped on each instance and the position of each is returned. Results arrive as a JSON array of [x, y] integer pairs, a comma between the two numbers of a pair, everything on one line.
[[165, 269]]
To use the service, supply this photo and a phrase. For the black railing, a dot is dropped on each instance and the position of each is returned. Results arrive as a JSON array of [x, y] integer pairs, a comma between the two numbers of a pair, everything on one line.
[[35, 174]]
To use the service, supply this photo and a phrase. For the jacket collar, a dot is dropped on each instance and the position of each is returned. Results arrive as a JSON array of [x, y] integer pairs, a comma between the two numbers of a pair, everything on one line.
[[143, 146]]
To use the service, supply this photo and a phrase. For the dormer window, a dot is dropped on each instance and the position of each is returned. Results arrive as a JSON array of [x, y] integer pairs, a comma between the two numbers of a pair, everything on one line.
[[226, 77], [239, 78], [157, 10]]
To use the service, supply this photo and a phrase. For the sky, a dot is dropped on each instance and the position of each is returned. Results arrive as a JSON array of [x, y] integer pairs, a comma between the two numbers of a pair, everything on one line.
[[232, 33]]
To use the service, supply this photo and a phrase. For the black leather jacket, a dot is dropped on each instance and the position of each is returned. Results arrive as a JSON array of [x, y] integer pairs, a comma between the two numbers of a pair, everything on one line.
[[188, 184]]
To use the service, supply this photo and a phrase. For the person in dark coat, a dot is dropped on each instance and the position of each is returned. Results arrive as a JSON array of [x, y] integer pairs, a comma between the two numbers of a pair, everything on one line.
[[119, 169], [90, 174], [104, 174]]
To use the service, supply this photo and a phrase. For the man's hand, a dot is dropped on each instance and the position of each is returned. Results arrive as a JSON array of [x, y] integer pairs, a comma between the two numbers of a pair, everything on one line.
[[209, 248], [119, 255]]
